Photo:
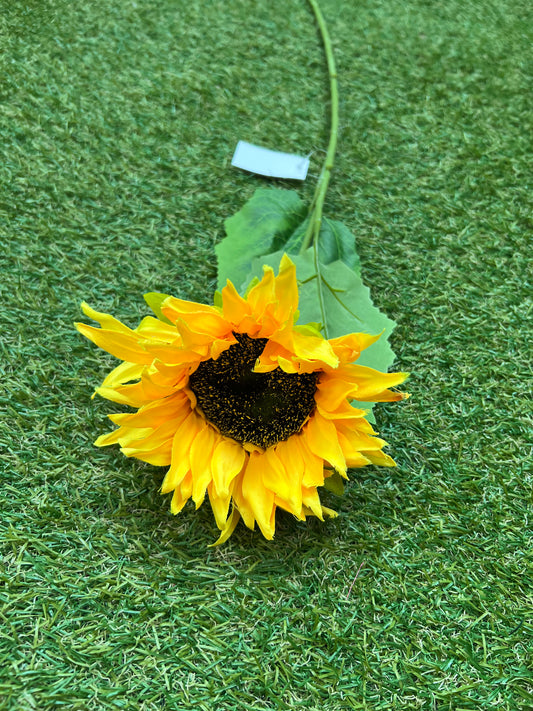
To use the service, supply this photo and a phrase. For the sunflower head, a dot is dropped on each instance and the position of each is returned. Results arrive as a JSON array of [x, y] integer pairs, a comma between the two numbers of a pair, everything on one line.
[[241, 404]]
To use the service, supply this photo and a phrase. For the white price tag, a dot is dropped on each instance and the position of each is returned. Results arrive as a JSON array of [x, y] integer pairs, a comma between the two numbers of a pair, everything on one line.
[[272, 164]]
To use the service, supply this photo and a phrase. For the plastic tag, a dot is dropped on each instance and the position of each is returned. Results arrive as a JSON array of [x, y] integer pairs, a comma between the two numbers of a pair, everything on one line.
[[272, 164]]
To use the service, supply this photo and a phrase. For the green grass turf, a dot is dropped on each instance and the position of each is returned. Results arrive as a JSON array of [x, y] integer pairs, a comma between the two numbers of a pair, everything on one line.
[[117, 124]]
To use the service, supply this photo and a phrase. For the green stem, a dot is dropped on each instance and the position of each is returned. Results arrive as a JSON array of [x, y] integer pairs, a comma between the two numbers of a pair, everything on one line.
[[315, 213]]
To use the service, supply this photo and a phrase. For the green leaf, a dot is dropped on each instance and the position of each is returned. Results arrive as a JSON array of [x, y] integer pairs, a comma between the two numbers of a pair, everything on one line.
[[335, 242], [154, 300], [293, 244], [271, 214], [335, 484]]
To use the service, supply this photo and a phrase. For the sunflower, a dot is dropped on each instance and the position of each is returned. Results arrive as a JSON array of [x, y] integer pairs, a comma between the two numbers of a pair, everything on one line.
[[240, 403]]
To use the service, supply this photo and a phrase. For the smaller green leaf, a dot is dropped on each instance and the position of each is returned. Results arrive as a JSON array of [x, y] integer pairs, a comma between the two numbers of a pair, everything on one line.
[[335, 243], [154, 300], [335, 484]]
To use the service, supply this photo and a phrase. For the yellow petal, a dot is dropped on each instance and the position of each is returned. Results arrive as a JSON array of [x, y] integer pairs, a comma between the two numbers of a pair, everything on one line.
[[321, 436], [148, 438], [181, 445], [221, 345], [282, 472], [360, 441], [159, 455], [228, 460], [121, 395], [234, 307], [262, 294], [173, 354], [132, 395], [286, 290], [164, 373], [303, 347], [113, 437], [153, 328], [175, 309], [276, 356], [353, 457], [330, 513], [151, 389], [175, 475], [348, 348], [379, 458], [219, 505], [372, 385], [314, 466], [123, 373], [311, 501], [331, 391], [120, 344], [346, 412], [181, 495], [242, 504], [200, 458], [125, 436], [286, 506], [193, 340], [259, 499], [105, 320], [175, 407], [229, 527]]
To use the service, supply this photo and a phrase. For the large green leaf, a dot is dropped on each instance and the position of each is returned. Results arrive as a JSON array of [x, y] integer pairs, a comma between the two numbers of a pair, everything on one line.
[[270, 214]]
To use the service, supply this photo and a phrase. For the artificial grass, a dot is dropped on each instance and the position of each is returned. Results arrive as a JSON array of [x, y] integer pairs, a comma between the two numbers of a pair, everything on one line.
[[117, 125]]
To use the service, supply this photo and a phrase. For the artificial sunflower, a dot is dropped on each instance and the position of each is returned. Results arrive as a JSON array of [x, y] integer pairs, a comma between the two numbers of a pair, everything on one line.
[[241, 403]]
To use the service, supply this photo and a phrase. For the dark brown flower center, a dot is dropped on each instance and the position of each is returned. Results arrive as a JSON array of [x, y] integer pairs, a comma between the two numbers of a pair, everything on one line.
[[256, 408]]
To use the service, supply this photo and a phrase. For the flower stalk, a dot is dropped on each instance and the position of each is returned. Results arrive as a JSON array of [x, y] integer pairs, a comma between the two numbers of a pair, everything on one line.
[[315, 211]]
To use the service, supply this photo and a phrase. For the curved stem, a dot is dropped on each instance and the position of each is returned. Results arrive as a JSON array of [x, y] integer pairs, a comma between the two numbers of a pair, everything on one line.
[[315, 213]]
